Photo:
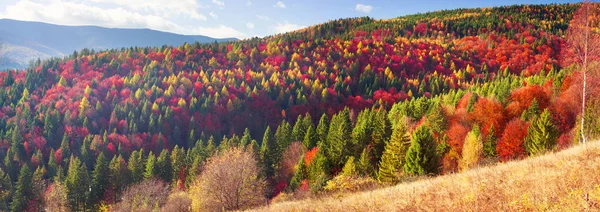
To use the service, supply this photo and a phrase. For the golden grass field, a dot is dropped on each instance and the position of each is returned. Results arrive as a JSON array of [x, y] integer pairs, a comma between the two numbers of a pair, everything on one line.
[[568, 180]]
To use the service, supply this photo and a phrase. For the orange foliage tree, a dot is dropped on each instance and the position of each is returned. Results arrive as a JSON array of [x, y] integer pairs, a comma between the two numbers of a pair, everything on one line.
[[510, 145]]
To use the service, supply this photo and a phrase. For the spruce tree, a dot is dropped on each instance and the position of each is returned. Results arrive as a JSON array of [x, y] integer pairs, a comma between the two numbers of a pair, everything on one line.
[[23, 190], [436, 118], [178, 162], [163, 166], [338, 139], [322, 129], [136, 166], [149, 171], [52, 165], [365, 166], [100, 177], [6, 190], [421, 157], [310, 138], [381, 132], [77, 183], [299, 175], [268, 153], [118, 174], [393, 156], [542, 134], [489, 146], [349, 169], [246, 138]]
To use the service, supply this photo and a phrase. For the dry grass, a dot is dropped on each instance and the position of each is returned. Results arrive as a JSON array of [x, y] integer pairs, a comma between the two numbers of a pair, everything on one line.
[[565, 181]]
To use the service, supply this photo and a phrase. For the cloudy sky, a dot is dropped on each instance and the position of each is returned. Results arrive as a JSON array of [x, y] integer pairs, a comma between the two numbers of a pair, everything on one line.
[[224, 18]]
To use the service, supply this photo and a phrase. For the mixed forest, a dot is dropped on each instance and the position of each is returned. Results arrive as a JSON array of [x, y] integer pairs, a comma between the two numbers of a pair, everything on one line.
[[342, 106]]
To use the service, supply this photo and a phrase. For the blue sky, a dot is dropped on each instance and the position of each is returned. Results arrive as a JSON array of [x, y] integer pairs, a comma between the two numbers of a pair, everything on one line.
[[225, 18]]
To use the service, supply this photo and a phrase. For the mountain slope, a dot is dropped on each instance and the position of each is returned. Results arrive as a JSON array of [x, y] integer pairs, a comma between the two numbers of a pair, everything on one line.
[[563, 181], [49, 40]]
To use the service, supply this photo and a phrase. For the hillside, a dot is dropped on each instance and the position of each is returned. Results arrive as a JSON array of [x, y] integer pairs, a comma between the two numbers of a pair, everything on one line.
[[23, 41], [563, 181], [419, 95]]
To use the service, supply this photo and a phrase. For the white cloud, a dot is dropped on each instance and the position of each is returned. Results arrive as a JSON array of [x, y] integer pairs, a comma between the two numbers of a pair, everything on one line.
[[279, 4], [164, 8], [221, 31], [250, 25], [261, 17], [363, 8], [213, 15], [221, 4], [65, 12], [286, 27], [248, 3]]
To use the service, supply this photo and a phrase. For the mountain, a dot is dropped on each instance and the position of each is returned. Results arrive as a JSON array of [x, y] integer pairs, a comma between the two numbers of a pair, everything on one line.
[[23, 41], [342, 105]]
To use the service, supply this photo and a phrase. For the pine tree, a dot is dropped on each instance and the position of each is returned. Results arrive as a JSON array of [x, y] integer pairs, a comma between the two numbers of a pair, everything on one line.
[[149, 171], [163, 166], [268, 153], [77, 183], [136, 166], [283, 138], [100, 177], [52, 165], [393, 156], [421, 156], [542, 134], [23, 190]]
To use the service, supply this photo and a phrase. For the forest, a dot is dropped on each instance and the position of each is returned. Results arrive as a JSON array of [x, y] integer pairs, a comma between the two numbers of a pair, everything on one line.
[[341, 106]]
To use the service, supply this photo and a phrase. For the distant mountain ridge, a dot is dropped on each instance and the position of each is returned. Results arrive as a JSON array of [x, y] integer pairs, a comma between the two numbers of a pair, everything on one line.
[[23, 41]]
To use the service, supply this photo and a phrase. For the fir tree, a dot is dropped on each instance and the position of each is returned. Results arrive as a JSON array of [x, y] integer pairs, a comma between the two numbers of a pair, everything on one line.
[[381, 132], [100, 177], [322, 129], [163, 166], [178, 162], [365, 166], [118, 174], [421, 157], [310, 138], [5, 190], [349, 169], [299, 175], [338, 138], [542, 134], [136, 166], [77, 183], [489, 146], [393, 156], [149, 170], [268, 153], [246, 138], [23, 190]]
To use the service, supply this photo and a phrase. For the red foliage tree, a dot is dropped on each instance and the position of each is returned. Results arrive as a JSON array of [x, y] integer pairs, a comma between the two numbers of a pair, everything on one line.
[[510, 145]]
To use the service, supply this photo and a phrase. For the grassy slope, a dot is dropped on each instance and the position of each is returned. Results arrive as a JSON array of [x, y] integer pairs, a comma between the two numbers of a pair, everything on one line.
[[564, 181]]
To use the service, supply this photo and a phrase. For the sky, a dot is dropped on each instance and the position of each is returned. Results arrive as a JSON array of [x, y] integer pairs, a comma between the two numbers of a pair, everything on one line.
[[226, 18]]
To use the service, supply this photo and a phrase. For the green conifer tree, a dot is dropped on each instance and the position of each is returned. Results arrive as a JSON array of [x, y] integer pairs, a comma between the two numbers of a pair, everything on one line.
[[393, 156], [542, 134], [23, 190], [421, 157]]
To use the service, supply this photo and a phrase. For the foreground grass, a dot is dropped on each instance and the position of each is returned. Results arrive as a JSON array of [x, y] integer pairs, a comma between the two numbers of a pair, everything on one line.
[[565, 181]]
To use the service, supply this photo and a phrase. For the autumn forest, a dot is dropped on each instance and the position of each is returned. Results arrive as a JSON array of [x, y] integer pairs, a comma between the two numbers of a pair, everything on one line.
[[346, 105]]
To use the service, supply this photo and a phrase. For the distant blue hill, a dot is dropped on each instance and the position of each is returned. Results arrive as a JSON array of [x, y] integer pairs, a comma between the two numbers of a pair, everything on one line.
[[23, 41]]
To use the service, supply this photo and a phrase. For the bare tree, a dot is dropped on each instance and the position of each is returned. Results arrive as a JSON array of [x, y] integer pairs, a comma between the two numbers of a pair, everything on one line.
[[56, 198], [230, 181], [178, 202], [583, 47], [148, 195]]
